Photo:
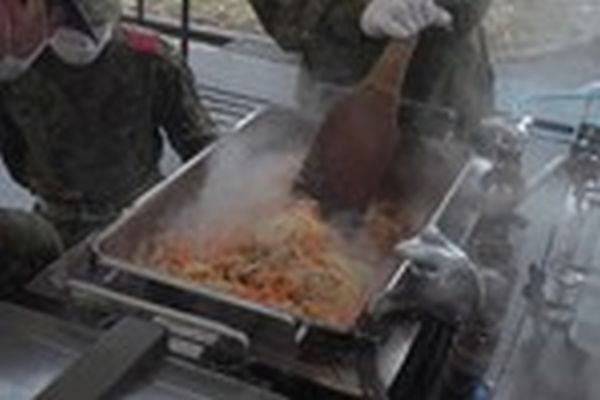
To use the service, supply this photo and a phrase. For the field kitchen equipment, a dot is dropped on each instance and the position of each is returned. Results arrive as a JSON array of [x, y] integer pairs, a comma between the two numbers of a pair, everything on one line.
[[356, 359]]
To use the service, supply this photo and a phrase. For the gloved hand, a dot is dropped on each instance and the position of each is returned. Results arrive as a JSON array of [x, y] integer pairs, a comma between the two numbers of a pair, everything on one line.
[[400, 19], [441, 281]]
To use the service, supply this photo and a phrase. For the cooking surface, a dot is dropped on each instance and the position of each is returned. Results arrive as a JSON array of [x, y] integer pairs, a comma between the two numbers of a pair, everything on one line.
[[237, 186]]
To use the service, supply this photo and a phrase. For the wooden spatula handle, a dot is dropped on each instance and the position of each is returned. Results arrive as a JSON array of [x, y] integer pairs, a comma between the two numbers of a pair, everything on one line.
[[388, 73]]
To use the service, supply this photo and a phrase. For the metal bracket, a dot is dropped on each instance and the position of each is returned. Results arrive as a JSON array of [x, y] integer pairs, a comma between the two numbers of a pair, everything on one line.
[[180, 324]]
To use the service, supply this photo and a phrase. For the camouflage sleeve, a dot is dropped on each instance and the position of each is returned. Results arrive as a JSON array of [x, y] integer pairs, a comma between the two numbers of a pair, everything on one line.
[[27, 235], [27, 244], [179, 107], [294, 24], [328, 33], [467, 14]]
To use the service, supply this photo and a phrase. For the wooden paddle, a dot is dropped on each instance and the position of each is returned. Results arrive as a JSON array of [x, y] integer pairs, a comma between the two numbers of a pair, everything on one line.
[[357, 140]]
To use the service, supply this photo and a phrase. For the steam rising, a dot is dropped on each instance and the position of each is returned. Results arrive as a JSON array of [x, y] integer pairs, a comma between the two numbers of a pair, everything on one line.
[[554, 371], [245, 183], [249, 180]]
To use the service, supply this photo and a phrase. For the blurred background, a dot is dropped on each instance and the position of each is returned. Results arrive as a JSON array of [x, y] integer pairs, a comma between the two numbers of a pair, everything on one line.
[[516, 27]]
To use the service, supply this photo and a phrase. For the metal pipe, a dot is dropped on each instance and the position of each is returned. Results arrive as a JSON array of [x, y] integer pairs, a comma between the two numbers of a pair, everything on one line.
[[185, 28], [549, 170], [141, 10], [208, 34], [159, 310]]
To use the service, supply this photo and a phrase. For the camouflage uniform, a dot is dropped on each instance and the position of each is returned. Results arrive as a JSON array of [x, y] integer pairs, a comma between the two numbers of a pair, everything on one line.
[[27, 244], [87, 140], [450, 67]]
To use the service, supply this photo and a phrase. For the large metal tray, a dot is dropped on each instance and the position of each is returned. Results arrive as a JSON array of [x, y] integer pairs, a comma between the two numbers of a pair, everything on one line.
[[443, 188]]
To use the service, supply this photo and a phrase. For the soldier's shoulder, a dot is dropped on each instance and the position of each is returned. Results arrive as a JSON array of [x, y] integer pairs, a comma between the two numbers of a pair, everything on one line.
[[149, 50], [144, 42]]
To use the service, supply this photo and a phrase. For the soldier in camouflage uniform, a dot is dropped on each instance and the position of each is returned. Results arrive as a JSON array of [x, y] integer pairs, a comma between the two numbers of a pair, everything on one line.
[[341, 39], [27, 242], [82, 127]]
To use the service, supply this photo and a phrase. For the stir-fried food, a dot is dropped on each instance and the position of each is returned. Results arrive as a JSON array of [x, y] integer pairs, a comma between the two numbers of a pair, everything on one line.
[[292, 260]]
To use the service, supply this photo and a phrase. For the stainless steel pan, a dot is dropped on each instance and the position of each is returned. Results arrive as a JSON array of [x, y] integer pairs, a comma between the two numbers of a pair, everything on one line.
[[440, 192]]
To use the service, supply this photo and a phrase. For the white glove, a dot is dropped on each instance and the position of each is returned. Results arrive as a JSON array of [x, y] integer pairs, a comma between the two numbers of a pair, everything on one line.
[[441, 282], [400, 19], [434, 249]]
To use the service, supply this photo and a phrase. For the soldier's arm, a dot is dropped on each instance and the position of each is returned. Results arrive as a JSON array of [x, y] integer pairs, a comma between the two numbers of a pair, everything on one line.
[[180, 110], [467, 14], [294, 24]]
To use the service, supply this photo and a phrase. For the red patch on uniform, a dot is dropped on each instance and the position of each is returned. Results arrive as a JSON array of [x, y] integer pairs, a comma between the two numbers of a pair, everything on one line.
[[142, 41]]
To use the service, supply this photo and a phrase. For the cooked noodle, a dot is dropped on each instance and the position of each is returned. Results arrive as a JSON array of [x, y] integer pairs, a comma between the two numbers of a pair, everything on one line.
[[292, 261]]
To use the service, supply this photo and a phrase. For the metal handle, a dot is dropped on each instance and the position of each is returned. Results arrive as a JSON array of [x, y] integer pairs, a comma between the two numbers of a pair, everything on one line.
[[388, 73], [554, 126], [166, 312], [117, 355]]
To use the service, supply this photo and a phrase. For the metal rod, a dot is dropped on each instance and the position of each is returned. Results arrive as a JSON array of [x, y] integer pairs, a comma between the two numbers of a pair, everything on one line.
[[540, 178], [549, 247], [208, 34], [517, 333], [435, 219], [185, 28], [141, 10], [450, 195], [558, 127], [160, 310]]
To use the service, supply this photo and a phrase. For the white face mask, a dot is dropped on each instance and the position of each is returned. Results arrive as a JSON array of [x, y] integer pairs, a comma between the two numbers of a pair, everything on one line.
[[77, 48], [12, 67]]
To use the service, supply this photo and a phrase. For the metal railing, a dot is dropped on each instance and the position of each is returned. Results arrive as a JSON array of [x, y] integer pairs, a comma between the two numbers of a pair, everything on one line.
[[183, 28]]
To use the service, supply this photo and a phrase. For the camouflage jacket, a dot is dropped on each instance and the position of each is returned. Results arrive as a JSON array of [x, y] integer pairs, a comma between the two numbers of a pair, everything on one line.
[[77, 135], [450, 68]]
